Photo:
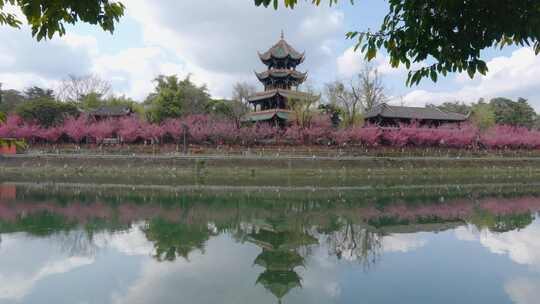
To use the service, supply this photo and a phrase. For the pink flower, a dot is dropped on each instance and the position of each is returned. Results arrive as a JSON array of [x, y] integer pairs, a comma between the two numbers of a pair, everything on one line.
[[76, 128]]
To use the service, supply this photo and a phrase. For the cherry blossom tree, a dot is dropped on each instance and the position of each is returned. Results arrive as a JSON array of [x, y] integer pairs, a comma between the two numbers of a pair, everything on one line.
[[101, 130], [76, 128]]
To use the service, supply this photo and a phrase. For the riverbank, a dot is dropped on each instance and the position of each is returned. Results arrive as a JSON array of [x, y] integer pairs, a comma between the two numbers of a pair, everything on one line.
[[251, 170]]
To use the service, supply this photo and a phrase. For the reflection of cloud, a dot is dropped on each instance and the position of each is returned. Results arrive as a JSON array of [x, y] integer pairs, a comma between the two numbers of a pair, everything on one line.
[[221, 272], [133, 242], [521, 246], [15, 286], [57, 254], [319, 275], [402, 243], [465, 233], [523, 290]]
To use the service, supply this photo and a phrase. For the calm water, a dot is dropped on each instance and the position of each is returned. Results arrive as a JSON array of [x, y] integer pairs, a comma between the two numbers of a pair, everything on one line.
[[436, 244]]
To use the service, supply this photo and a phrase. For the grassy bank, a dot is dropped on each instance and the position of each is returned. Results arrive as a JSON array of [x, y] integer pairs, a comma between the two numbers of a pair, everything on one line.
[[268, 171]]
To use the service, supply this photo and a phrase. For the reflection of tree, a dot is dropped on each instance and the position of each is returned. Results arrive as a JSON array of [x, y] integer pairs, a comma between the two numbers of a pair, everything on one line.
[[509, 222], [172, 240], [77, 243], [42, 223], [501, 222], [280, 244], [354, 242]]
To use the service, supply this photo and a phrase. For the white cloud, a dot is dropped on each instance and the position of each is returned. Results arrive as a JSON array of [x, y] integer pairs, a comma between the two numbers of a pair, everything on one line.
[[517, 75], [351, 62], [132, 70], [218, 40], [25, 62]]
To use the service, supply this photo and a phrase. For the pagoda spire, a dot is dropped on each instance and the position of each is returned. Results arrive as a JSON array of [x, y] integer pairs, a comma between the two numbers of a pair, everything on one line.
[[282, 35]]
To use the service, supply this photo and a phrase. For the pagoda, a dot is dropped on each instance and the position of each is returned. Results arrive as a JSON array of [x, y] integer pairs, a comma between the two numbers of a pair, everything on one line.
[[281, 81]]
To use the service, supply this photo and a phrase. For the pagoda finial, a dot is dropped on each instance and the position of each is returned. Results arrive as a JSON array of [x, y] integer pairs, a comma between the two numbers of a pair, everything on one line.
[[282, 35]]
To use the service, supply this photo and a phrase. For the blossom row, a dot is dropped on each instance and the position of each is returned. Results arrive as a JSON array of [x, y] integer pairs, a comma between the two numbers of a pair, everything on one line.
[[202, 129]]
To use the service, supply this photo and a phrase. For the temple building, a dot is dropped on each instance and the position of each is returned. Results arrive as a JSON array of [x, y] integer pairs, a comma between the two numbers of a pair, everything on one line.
[[108, 112], [281, 81], [385, 115]]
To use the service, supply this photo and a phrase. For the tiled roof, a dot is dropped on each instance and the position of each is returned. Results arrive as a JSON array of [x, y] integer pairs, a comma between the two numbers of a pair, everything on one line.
[[268, 114], [388, 111], [111, 111], [281, 50], [281, 73], [272, 93]]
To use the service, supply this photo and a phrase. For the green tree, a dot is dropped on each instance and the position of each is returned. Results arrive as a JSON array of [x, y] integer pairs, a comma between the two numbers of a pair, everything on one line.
[[35, 92], [305, 106], [333, 111], [232, 110], [49, 17], [46, 112], [10, 100], [536, 123], [453, 106], [447, 35], [125, 101], [343, 98], [174, 98], [240, 100], [516, 113], [482, 115], [91, 101]]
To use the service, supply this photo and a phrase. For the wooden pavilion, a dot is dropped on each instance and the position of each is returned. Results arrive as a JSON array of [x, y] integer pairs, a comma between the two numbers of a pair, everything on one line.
[[107, 112]]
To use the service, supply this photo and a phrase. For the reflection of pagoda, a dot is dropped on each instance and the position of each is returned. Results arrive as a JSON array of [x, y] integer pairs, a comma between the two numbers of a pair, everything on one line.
[[280, 81], [279, 257]]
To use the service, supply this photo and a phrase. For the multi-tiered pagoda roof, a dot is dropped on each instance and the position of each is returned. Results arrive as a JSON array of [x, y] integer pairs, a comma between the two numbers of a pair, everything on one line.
[[280, 53], [281, 81]]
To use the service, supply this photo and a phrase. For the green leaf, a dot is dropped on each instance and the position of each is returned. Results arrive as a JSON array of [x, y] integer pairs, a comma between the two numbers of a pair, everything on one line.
[[433, 75]]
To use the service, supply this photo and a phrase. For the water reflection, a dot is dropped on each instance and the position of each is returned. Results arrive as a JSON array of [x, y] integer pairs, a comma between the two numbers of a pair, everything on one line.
[[293, 247], [280, 244]]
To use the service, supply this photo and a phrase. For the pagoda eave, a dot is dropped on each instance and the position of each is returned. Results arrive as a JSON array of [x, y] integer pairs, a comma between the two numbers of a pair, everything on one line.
[[267, 58], [281, 74], [267, 115], [281, 92]]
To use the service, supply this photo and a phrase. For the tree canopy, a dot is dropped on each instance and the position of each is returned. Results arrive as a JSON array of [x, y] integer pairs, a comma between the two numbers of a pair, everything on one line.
[[499, 110], [46, 112], [49, 17], [174, 98], [445, 36]]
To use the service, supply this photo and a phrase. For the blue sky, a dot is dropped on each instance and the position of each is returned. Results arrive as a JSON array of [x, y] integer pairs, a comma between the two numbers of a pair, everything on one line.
[[216, 42]]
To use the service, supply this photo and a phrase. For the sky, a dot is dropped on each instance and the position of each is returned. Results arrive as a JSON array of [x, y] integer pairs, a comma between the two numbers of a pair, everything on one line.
[[216, 42]]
